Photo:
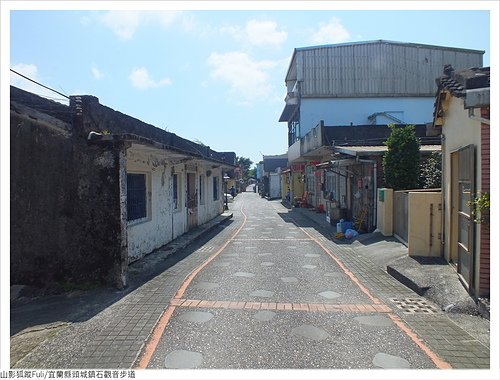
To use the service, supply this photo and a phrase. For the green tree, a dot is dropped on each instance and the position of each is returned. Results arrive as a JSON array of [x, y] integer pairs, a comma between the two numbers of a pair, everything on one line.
[[401, 162], [245, 164], [252, 173], [430, 171]]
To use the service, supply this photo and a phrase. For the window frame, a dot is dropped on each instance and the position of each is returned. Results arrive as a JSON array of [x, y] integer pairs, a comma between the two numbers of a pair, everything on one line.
[[147, 198], [216, 188]]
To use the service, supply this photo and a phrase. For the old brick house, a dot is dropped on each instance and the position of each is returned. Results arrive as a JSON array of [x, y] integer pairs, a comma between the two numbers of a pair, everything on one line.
[[93, 189]]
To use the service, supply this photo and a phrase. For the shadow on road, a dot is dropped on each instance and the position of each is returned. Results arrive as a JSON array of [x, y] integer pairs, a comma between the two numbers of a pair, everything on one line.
[[28, 312]]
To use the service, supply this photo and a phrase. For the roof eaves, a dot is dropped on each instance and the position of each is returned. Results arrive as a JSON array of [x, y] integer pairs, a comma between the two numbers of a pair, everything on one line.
[[130, 137], [291, 62], [388, 42]]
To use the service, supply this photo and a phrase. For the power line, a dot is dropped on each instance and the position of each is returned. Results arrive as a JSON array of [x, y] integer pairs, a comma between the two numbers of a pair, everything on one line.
[[34, 81]]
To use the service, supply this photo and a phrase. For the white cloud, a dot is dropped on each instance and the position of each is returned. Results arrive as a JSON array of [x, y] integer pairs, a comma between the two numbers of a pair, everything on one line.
[[96, 72], [254, 33], [141, 80], [261, 33], [331, 32], [122, 23], [232, 31], [248, 78], [125, 23]]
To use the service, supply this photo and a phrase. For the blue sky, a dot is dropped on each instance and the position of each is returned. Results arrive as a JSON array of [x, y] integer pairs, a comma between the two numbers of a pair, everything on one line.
[[216, 76]]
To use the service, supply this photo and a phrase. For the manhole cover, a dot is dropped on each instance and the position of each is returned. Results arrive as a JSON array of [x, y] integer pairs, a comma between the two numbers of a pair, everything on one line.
[[414, 306]]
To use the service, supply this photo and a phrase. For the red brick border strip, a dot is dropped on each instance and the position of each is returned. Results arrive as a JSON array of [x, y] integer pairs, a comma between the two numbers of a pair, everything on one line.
[[310, 307]]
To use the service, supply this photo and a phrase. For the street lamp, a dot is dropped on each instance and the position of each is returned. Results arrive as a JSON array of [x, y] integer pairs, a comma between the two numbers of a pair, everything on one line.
[[226, 178]]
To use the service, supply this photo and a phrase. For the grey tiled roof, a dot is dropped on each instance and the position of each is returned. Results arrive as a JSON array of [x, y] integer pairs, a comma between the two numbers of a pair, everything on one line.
[[458, 82]]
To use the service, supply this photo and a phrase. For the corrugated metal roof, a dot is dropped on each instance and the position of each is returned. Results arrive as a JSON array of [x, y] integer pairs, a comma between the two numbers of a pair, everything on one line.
[[381, 41], [375, 68]]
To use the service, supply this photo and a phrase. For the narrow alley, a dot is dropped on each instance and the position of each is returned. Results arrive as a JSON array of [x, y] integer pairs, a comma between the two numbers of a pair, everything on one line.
[[266, 289]]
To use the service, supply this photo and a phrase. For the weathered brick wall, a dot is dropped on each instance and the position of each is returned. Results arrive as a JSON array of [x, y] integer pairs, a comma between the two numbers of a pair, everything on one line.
[[41, 201], [98, 213], [65, 199]]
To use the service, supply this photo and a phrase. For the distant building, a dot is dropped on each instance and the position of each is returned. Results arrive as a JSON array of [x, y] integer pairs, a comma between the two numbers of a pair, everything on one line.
[[343, 168], [363, 83], [271, 176], [356, 87]]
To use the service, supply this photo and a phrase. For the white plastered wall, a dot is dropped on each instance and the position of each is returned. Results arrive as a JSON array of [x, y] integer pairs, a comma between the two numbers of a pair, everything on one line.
[[164, 222], [143, 236], [208, 208]]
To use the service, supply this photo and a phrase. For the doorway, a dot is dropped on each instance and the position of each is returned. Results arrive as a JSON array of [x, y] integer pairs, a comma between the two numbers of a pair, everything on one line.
[[461, 222], [192, 201]]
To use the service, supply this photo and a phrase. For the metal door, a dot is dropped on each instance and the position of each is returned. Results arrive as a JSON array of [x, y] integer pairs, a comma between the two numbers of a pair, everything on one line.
[[465, 224], [400, 214]]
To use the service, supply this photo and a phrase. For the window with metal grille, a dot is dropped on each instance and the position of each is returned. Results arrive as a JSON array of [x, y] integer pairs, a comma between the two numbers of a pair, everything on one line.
[[136, 196]]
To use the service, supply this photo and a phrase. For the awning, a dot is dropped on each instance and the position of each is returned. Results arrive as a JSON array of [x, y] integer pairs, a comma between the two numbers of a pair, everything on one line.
[[337, 163], [288, 112], [378, 150]]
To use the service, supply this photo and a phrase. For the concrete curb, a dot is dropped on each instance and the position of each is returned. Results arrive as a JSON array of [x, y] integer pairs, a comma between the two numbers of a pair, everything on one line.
[[148, 262], [207, 227], [406, 281], [483, 306]]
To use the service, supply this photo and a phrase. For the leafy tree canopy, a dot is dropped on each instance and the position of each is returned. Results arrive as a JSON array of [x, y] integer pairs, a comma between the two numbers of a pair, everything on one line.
[[401, 162], [244, 163], [430, 171], [252, 173]]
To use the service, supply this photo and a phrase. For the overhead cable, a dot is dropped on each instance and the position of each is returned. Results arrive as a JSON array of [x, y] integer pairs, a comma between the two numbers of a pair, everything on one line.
[[34, 81]]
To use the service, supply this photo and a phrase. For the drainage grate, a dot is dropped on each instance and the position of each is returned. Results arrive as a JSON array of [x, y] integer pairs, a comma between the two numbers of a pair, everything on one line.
[[414, 306]]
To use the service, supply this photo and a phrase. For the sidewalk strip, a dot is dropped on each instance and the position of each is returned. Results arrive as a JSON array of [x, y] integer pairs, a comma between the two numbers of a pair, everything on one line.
[[440, 363], [155, 337], [193, 274], [342, 266]]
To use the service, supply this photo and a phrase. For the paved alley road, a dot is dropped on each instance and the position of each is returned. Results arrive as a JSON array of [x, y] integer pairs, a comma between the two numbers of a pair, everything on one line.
[[274, 296], [266, 289]]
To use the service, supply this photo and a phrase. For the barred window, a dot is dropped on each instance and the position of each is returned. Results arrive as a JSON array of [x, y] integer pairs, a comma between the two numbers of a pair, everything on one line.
[[136, 196]]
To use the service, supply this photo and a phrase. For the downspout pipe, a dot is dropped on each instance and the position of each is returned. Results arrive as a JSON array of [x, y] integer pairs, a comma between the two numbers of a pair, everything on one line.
[[374, 187]]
